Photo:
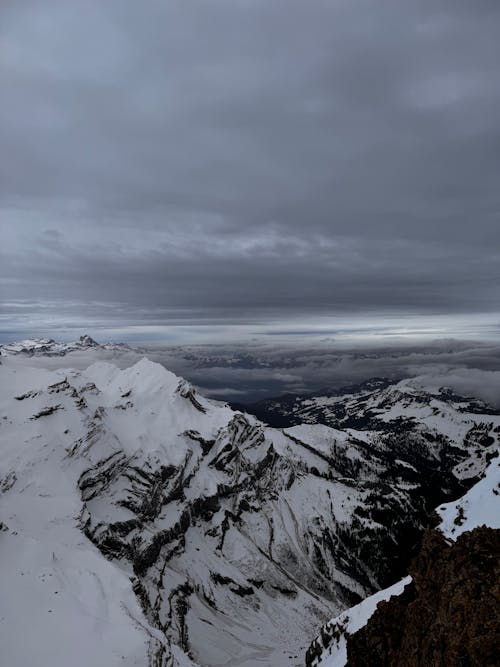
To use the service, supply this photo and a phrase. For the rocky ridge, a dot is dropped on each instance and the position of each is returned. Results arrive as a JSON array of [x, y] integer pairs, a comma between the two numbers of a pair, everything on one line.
[[445, 612]]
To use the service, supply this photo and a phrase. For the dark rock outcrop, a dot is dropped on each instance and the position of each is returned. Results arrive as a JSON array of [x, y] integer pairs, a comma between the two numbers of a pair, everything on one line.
[[447, 617]]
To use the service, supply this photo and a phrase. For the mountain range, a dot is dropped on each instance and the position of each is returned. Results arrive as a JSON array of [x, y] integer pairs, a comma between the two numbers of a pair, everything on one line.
[[144, 524]]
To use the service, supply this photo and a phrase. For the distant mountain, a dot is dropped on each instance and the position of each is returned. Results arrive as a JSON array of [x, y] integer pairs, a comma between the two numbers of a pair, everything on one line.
[[357, 406], [323, 406], [143, 524], [34, 347]]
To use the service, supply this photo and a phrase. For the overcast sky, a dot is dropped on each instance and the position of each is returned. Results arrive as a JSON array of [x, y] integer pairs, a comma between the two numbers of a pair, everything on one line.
[[269, 164]]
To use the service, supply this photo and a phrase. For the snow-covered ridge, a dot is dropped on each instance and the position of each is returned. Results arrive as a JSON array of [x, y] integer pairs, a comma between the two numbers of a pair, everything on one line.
[[480, 506], [364, 406], [331, 647], [178, 527]]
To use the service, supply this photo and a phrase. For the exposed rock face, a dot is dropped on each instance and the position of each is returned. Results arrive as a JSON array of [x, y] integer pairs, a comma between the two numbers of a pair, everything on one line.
[[87, 341], [448, 615]]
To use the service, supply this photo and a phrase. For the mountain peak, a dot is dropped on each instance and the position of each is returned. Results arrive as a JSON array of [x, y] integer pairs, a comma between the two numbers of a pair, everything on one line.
[[87, 341]]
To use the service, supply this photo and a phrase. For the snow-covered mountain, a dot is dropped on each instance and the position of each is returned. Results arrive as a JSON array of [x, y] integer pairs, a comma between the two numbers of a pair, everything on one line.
[[34, 347], [143, 524], [361, 406]]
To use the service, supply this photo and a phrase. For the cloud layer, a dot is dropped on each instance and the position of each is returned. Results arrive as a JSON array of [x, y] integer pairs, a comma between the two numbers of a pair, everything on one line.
[[232, 161]]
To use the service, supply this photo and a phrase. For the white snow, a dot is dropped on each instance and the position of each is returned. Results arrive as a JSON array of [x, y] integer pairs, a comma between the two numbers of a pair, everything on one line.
[[480, 506], [64, 606], [353, 620]]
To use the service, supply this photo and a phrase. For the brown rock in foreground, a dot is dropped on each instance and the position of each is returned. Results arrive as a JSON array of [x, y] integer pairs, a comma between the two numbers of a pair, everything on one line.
[[448, 616]]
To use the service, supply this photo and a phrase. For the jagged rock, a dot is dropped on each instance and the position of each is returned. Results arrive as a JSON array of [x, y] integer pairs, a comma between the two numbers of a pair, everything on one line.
[[47, 411], [187, 391], [449, 614], [87, 341]]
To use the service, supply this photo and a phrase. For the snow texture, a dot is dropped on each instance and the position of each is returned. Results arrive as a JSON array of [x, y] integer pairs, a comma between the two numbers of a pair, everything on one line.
[[480, 506], [141, 523]]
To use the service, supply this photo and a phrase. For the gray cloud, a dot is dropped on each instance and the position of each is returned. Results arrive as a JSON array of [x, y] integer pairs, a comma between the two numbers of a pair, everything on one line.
[[169, 162], [254, 372]]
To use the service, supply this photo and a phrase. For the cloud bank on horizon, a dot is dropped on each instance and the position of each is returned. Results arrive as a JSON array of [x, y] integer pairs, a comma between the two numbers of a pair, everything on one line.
[[210, 164], [261, 369]]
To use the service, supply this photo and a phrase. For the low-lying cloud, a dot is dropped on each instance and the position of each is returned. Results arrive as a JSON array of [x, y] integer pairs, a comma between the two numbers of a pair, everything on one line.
[[252, 372]]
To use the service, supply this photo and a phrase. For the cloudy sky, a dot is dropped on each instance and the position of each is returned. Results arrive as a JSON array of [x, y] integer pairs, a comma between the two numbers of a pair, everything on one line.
[[170, 169]]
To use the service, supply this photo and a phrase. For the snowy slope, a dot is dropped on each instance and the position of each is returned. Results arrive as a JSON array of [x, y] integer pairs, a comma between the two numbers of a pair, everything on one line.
[[174, 525], [480, 506]]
